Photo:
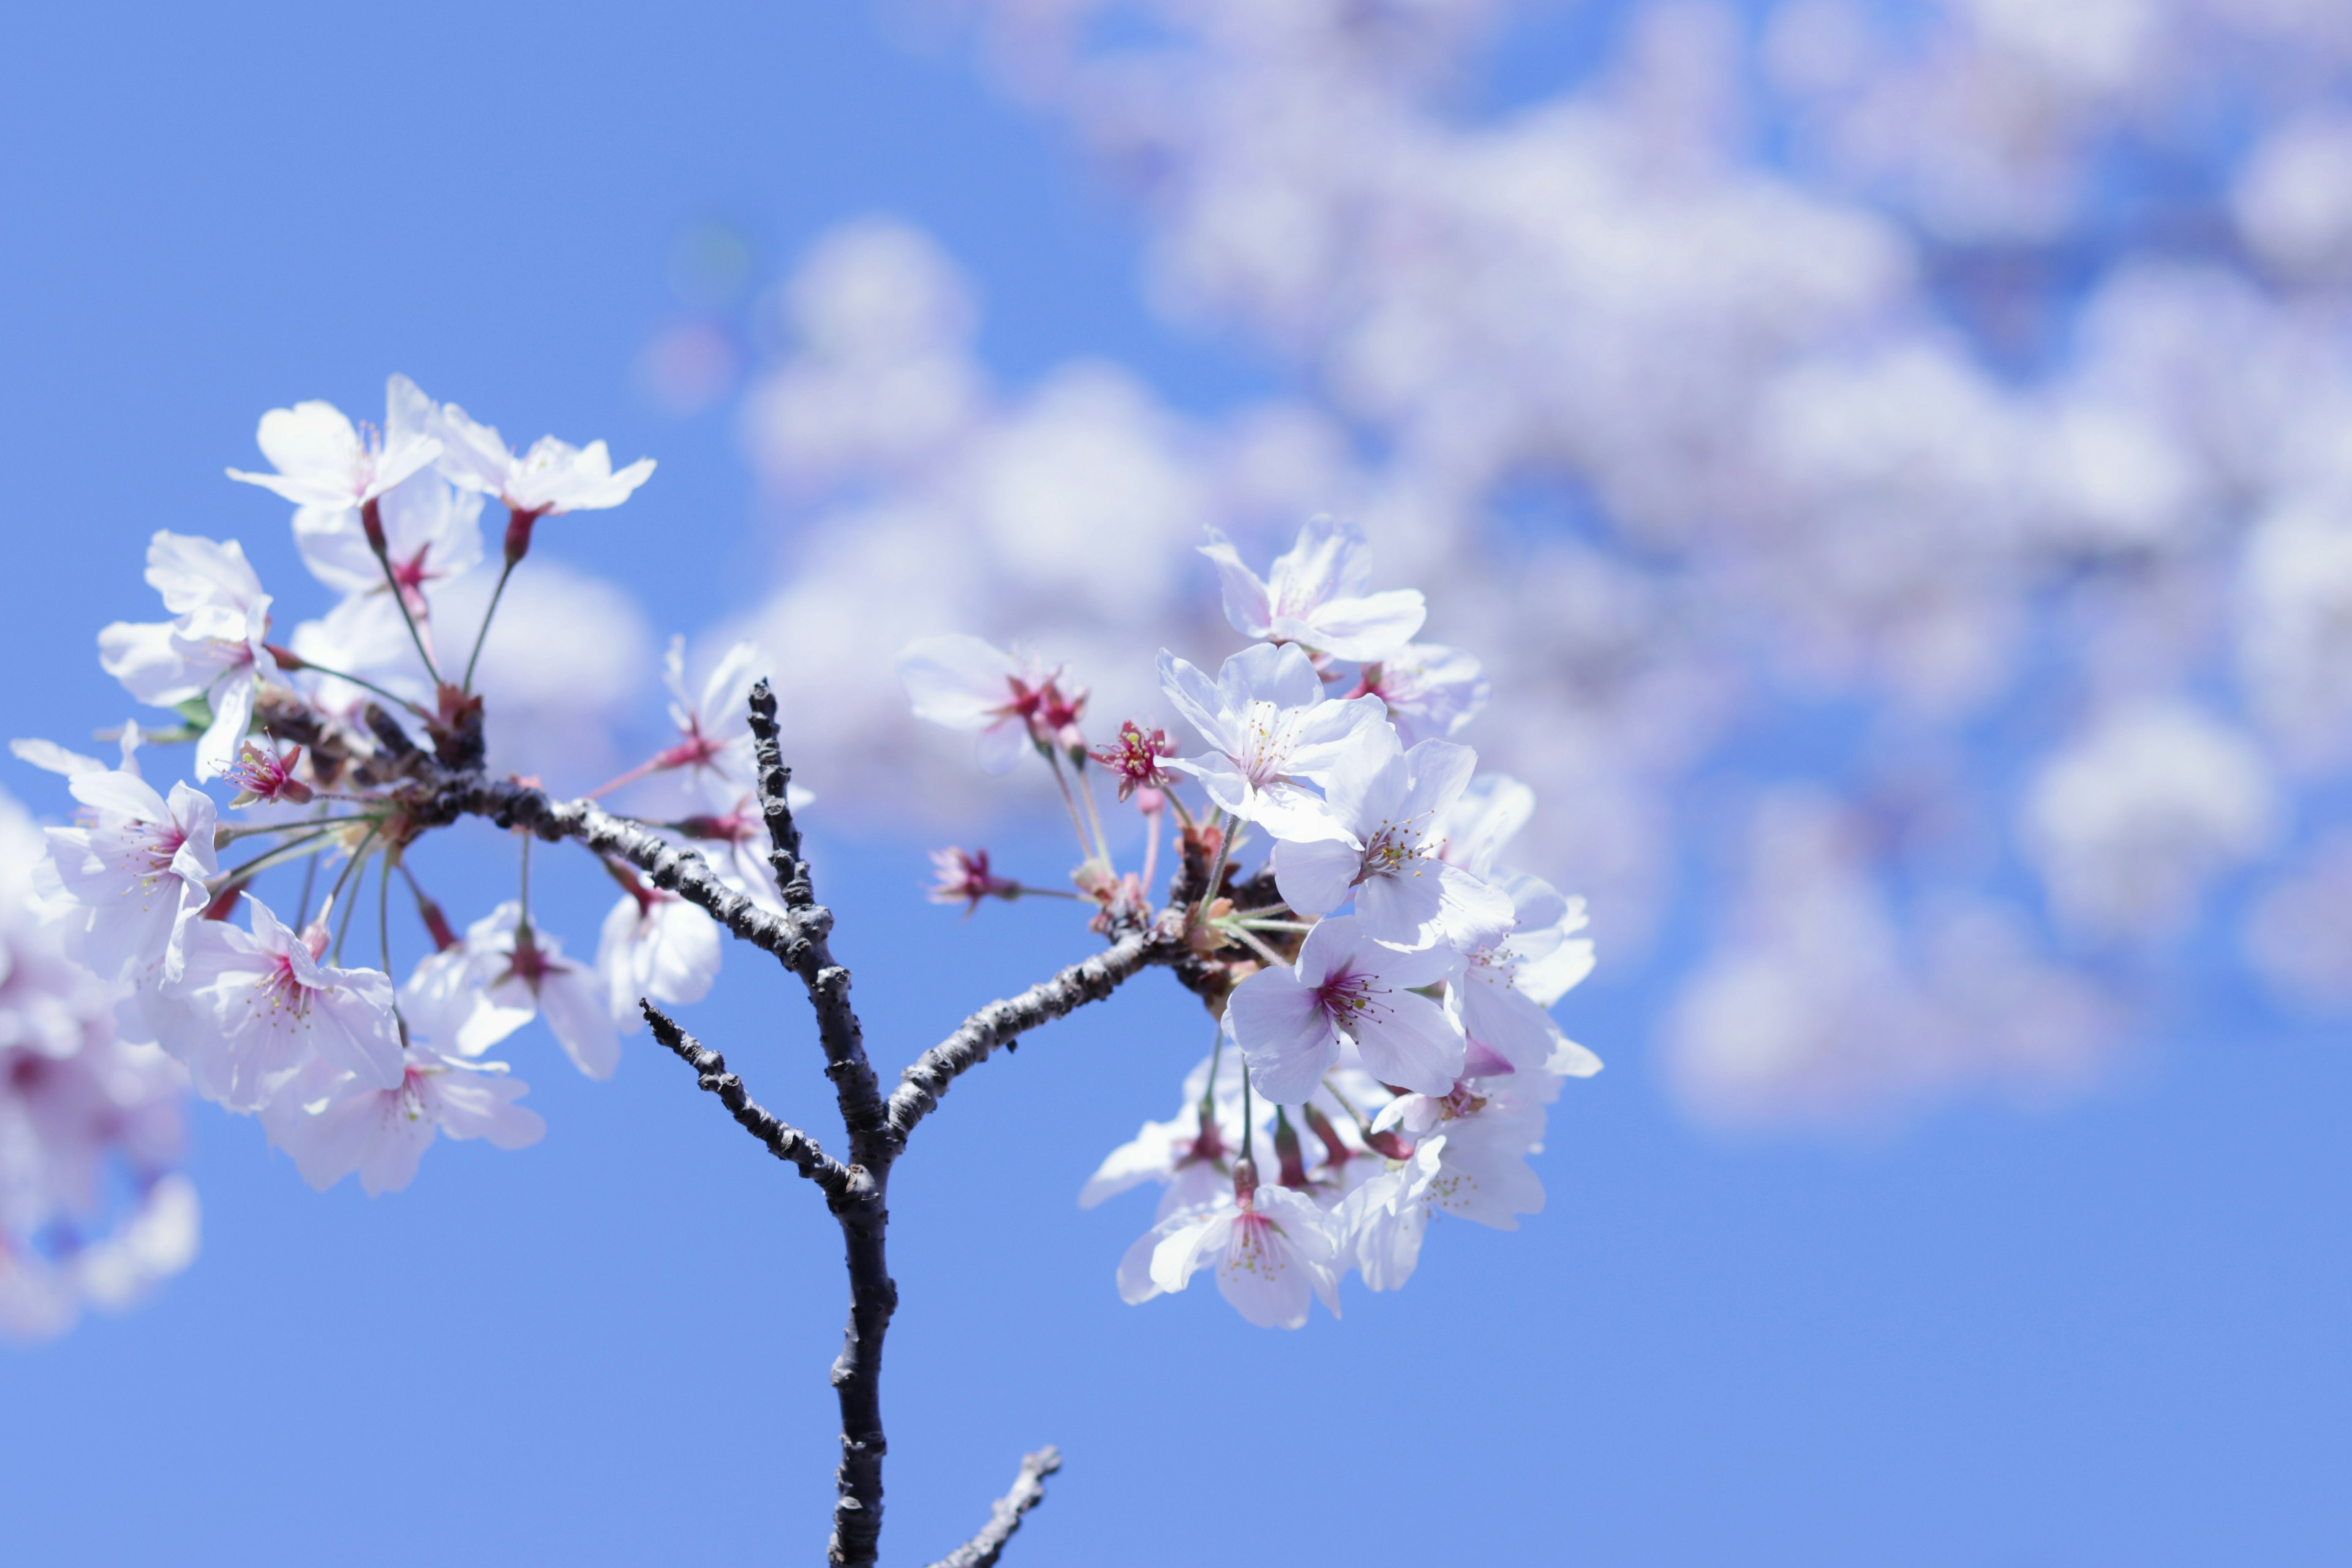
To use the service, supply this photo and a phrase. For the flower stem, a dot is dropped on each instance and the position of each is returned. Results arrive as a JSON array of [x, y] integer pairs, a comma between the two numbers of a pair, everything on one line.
[[237, 876], [236, 831], [1216, 866], [309, 880], [421, 712], [1232, 929], [1070, 802], [488, 615], [392, 580], [358, 860], [1087, 792]]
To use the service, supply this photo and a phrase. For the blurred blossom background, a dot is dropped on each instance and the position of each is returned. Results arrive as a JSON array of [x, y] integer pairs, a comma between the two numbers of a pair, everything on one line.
[[1893, 457]]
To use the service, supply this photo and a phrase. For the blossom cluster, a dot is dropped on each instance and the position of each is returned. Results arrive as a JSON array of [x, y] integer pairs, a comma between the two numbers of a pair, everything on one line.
[[1896, 447], [1382, 981], [142, 959], [92, 1210]]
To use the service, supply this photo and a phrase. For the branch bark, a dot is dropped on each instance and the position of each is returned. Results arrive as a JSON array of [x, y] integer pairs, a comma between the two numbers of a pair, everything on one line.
[[1028, 1490], [856, 1190], [1002, 1023], [785, 1142]]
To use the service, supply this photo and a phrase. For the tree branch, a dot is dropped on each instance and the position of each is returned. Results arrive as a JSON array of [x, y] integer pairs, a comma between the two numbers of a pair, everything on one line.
[[668, 866], [786, 1142], [1028, 1490], [1001, 1023]]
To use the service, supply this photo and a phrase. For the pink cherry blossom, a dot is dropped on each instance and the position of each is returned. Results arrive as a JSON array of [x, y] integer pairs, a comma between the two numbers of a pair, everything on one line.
[[1271, 736], [1389, 802], [259, 1007], [1291, 1024], [1315, 596]]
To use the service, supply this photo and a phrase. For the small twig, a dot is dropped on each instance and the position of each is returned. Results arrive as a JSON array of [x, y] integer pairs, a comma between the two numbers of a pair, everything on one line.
[[1028, 1490], [1001, 1023], [785, 1142]]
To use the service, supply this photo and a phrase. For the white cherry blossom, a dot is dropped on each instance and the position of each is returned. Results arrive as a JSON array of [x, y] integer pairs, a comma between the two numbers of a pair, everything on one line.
[[321, 460], [965, 683], [135, 874], [336, 1123], [1315, 595], [213, 649], [1272, 1249], [1381, 1224], [1271, 735], [1490, 1127], [1346, 988], [1187, 1156], [655, 945], [1430, 691], [1504, 990], [1486, 815], [522, 967], [432, 534], [1389, 802], [553, 477], [446, 998], [258, 1007]]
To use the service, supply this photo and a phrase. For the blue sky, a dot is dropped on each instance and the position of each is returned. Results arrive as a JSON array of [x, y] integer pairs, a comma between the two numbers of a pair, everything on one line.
[[2110, 1333]]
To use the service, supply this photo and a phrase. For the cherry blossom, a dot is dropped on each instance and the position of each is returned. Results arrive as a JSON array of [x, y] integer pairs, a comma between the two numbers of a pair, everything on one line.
[[1489, 1129], [962, 877], [1189, 1154], [266, 776], [135, 875], [1389, 803], [1430, 691], [963, 683], [523, 968], [1315, 596], [1346, 988], [554, 477], [322, 461], [1138, 760], [1271, 735], [337, 1124], [1504, 990], [655, 945], [213, 649], [1272, 1249], [260, 1007], [1385, 1218], [432, 533], [446, 997], [714, 736]]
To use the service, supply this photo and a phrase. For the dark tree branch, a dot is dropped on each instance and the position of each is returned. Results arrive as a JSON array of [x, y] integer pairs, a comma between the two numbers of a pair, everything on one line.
[[1028, 1490], [828, 982], [668, 866], [1001, 1023], [877, 1127], [786, 1142], [863, 1211]]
